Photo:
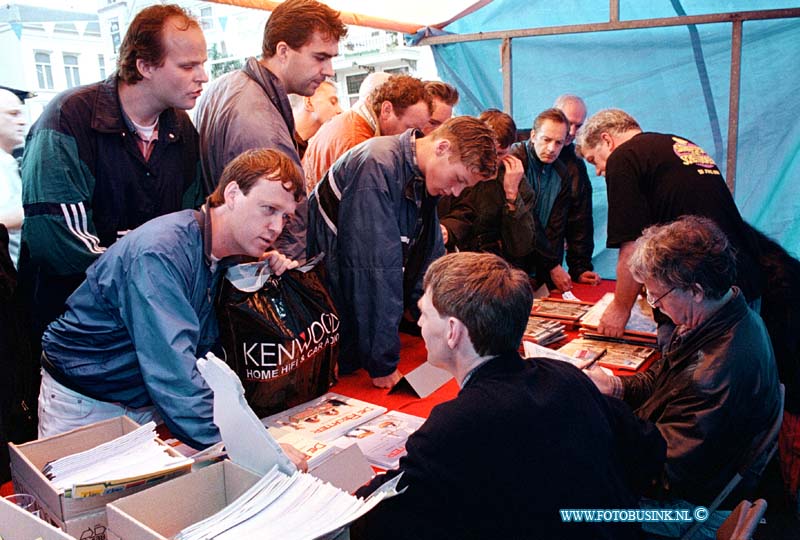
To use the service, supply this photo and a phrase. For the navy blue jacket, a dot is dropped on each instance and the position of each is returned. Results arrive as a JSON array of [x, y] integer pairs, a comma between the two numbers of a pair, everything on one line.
[[377, 225]]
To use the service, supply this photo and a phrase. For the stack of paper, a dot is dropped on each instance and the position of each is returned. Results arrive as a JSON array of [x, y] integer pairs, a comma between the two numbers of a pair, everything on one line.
[[383, 440], [135, 456], [289, 507], [543, 331]]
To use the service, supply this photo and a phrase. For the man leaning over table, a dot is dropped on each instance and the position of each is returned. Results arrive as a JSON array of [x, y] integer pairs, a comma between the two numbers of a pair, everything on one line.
[[374, 216], [523, 438], [133, 330], [656, 178]]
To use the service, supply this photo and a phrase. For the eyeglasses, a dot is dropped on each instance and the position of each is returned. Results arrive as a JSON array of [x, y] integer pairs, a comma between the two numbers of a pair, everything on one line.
[[654, 302]]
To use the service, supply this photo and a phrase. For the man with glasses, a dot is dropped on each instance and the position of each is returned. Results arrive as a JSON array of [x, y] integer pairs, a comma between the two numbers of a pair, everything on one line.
[[715, 389], [656, 178]]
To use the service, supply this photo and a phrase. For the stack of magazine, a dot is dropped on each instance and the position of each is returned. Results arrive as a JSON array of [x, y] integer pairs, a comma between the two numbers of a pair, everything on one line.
[[289, 507], [132, 458], [543, 331], [321, 426]]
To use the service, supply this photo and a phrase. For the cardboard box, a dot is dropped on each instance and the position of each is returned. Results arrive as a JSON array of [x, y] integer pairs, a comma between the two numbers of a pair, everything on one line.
[[189, 499], [81, 517], [17, 524]]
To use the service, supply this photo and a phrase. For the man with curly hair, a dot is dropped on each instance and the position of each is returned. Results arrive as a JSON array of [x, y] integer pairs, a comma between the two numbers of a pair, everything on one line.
[[396, 105]]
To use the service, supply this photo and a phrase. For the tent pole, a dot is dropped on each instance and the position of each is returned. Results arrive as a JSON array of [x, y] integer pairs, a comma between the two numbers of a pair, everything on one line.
[[613, 10], [505, 60], [733, 108]]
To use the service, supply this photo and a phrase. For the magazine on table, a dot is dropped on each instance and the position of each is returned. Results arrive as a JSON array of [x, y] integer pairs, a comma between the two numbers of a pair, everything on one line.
[[383, 439], [324, 418]]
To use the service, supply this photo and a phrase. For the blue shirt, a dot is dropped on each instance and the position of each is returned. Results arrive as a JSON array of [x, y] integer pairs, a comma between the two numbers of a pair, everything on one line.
[[134, 328]]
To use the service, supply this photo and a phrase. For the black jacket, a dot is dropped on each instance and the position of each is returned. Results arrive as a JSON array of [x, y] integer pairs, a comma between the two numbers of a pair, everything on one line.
[[711, 395]]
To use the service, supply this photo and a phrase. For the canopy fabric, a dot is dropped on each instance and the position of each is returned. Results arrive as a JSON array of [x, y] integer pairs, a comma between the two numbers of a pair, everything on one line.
[[671, 79], [408, 16]]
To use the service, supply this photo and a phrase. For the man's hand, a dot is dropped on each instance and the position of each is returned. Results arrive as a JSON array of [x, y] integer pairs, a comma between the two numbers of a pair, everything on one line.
[[600, 379], [278, 263], [561, 278], [388, 381], [589, 277], [614, 319], [514, 173], [296, 456], [444, 233]]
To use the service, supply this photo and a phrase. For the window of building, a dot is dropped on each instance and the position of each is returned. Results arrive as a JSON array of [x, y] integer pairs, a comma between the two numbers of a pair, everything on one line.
[[101, 63], [71, 70], [44, 72], [206, 19], [114, 31], [398, 70], [354, 82]]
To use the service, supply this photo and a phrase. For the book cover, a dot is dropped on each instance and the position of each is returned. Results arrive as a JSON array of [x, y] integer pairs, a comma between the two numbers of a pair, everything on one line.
[[383, 439], [554, 308], [326, 417], [641, 321]]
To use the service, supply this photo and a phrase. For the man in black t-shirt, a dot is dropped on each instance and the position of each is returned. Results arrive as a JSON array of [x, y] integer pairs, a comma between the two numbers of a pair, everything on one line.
[[656, 178]]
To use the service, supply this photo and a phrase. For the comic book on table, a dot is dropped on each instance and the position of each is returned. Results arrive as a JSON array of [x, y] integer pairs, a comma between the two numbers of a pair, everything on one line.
[[641, 326], [618, 355], [324, 418], [566, 310], [383, 439]]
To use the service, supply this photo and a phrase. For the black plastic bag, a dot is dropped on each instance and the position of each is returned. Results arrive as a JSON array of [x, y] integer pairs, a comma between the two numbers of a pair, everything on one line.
[[282, 340]]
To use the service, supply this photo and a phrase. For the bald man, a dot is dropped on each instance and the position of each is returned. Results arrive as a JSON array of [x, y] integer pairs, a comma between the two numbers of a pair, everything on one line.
[[12, 133]]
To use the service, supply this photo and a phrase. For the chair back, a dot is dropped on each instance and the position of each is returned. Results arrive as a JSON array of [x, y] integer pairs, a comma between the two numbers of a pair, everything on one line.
[[753, 464], [742, 522]]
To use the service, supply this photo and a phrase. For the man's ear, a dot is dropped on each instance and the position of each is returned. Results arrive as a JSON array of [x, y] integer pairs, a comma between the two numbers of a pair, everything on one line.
[[281, 51], [441, 147], [609, 139], [698, 293], [386, 109], [307, 104], [231, 192], [456, 332], [145, 68]]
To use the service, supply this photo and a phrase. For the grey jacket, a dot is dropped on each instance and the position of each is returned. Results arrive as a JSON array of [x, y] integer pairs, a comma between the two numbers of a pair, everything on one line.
[[248, 109]]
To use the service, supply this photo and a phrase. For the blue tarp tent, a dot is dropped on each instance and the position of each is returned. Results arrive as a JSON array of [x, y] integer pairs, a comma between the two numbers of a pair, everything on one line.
[[673, 79]]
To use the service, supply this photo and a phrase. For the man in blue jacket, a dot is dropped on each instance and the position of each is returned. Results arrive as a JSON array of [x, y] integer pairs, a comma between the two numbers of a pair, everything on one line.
[[131, 334], [374, 215]]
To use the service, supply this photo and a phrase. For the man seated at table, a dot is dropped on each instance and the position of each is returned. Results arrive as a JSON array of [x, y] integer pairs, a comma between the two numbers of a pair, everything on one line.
[[715, 389], [521, 440], [133, 330]]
